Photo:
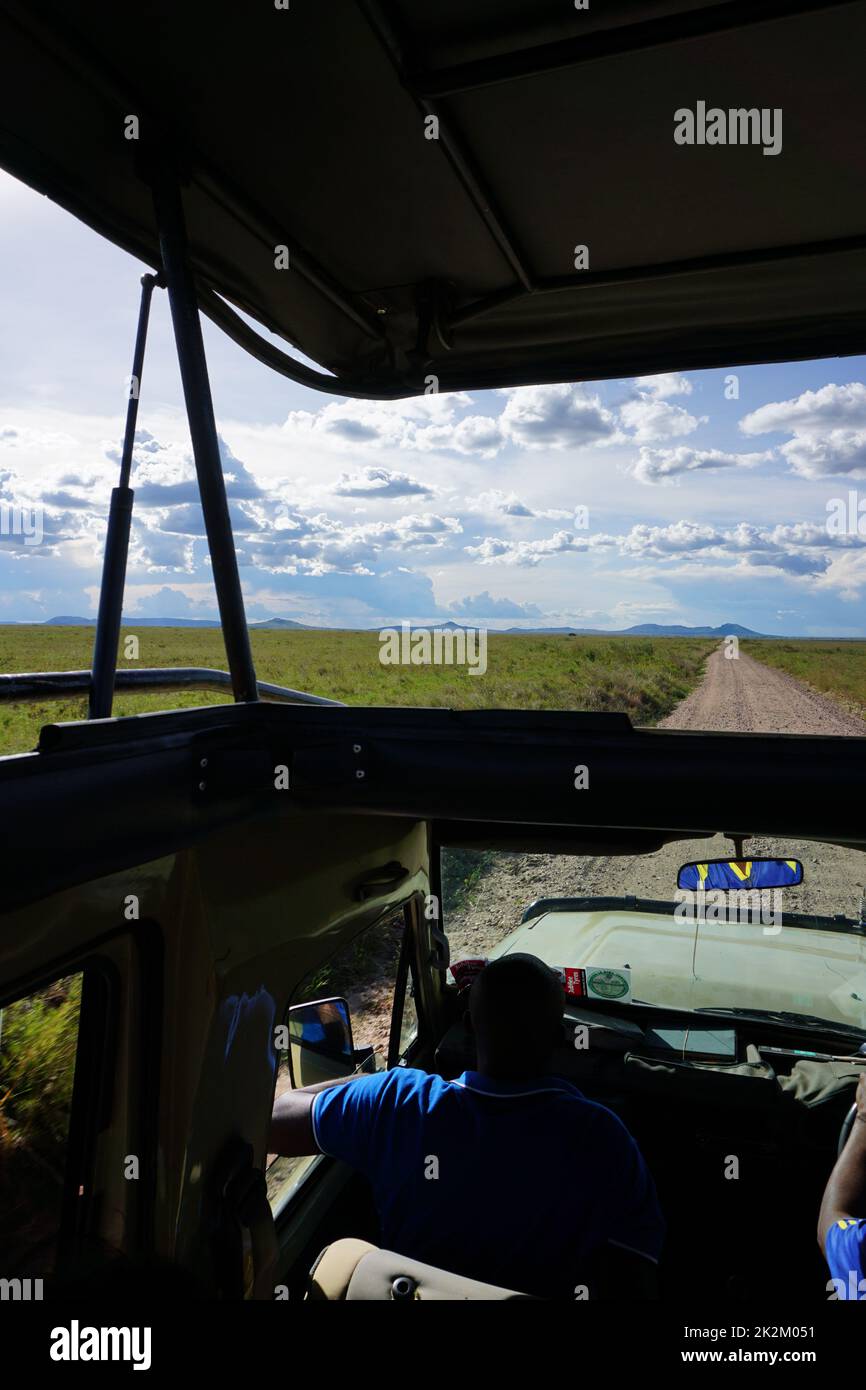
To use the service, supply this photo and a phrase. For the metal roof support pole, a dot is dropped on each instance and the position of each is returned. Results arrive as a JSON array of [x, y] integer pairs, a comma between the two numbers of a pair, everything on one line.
[[105, 642], [202, 427]]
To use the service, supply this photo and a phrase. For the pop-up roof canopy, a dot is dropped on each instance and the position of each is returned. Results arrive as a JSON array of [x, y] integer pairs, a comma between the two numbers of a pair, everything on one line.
[[410, 256]]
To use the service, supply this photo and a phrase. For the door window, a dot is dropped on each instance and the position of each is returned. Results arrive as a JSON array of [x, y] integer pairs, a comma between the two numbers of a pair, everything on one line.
[[366, 973], [38, 1045]]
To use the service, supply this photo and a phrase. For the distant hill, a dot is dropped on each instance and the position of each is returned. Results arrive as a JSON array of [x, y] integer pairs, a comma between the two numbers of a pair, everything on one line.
[[726, 630], [268, 623], [69, 622], [65, 621], [450, 626], [290, 625], [281, 624], [641, 630]]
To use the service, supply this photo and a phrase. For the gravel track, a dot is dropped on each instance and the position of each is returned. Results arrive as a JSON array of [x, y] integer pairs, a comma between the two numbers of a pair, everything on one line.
[[743, 696]]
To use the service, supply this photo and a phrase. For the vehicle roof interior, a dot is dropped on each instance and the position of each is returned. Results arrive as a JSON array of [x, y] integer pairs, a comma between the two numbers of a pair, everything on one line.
[[454, 256]]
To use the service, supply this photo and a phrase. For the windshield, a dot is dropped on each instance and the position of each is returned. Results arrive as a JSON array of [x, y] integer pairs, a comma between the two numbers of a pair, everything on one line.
[[795, 950]]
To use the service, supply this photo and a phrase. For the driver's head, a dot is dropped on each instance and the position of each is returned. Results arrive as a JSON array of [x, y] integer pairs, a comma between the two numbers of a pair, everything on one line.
[[516, 1007]]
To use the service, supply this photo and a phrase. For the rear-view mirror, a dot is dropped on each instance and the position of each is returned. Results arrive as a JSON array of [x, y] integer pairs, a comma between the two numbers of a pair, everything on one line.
[[727, 874], [320, 1042]]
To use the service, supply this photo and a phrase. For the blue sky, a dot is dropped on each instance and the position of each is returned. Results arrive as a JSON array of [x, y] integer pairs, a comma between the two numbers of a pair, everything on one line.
[[700, 508]]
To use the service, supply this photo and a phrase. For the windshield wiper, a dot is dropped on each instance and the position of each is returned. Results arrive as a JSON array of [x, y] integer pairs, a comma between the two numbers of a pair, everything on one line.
[[808, 1021]]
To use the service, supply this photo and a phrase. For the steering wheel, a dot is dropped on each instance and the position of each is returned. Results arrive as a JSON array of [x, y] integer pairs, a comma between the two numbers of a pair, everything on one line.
[[845, 1131]]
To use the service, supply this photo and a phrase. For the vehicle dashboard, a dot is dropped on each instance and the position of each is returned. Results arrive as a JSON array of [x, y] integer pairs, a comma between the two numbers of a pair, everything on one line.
[[610, 1049]]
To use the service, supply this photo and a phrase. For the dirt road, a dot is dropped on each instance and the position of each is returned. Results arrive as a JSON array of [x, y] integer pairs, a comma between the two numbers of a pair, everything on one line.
[[737, 695], [740, 695]]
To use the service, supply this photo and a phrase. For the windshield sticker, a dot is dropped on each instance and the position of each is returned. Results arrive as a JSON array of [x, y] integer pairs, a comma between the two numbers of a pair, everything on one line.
[[596, 982]]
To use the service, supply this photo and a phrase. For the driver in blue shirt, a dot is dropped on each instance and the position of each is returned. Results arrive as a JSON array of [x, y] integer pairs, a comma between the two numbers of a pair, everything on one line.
[[842, 1220], [507, 1174]]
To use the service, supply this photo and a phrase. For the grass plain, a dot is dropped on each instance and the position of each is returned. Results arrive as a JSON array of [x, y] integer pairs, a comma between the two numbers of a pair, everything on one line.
[[644, 677]]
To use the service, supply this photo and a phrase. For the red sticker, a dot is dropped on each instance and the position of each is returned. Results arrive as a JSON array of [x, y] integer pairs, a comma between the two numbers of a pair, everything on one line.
[[575, 980]]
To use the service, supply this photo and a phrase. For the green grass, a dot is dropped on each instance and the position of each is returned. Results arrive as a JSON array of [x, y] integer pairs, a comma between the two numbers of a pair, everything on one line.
[[37, 1063], [837, 669], [643, 677], [37, 1068]]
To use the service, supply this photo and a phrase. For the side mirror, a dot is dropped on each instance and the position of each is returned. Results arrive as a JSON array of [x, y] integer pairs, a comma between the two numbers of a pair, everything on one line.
[[320, 1042]]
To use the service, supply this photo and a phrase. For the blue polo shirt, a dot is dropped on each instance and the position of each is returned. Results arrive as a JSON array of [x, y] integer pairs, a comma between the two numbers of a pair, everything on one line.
[[513, 1183], [845, 1249]]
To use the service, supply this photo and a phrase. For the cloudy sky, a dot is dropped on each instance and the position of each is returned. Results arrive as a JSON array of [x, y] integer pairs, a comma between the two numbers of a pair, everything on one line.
[[652, 500]]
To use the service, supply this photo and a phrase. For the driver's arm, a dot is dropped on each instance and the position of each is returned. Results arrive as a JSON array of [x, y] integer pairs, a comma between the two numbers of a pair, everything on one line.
[[845, 1194], [292, 1120]]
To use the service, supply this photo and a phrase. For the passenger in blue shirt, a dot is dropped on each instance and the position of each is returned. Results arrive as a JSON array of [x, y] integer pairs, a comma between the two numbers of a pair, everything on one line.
[[508, 1174], [842, 1221]]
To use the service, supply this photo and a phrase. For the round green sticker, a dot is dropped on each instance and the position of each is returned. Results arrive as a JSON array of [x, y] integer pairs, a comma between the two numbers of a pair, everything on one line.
[[608, 983]]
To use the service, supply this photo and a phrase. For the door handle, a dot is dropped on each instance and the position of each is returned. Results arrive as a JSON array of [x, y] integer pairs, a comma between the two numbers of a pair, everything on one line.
[[381, 880]]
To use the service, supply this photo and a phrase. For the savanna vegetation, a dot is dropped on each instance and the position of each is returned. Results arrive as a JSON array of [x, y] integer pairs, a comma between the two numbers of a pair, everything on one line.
[[644, 677], [38, 1039]]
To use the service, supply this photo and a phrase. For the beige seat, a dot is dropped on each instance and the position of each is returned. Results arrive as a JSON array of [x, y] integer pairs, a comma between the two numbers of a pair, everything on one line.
[[354, 1269]]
